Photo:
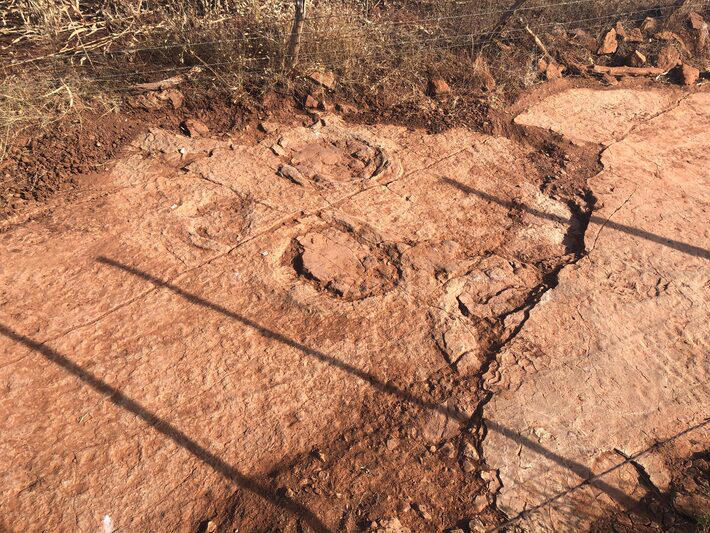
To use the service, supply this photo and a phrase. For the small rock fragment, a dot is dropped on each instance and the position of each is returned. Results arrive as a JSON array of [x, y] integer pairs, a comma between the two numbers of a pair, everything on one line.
[[480, 503], [278, 150], [689, 74], [438, 87], [609, 44], [449, 450], [636, 59], [211, 527], [583, 38], [701, 27], [319, 455], [391, 525], [634, 35], [346, 109], [696, 20], [326, 106], [267, 127], [422, 510], [392, 443], [491, 477], [542, 65], [476, 526], [470, 451], [195, 128], [468, 466], [554, 71], [291, 173], [311, 102], [326, 79], [620, 30], [668, 57], [670, 36]]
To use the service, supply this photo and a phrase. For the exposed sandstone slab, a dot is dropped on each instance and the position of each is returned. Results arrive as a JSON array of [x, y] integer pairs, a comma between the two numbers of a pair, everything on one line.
[[616, 356]]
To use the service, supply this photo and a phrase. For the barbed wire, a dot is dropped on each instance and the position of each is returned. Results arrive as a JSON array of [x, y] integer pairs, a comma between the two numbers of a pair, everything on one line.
[[239, 62], [254, 38]]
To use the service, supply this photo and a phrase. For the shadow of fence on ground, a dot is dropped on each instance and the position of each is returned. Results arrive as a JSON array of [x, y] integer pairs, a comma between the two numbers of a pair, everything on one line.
[[683, 247], [230, 472]]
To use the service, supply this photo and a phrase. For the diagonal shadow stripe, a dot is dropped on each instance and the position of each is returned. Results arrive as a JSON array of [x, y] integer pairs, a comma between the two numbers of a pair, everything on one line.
[[165, 428], [686, 248], [578, 468]]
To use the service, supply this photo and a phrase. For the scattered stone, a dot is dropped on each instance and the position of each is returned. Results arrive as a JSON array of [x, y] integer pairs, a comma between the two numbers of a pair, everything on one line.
[[668, 58], [483, 73], [326, 79], [470, 451], [449, 450], [480, 503], [554, 71], [291, 173], [194, 128], [392, 443], [701, 27], [542, 65], [665, 36], [634, 35], [278, 150], [609, 44], [637, 59], [319, 455], [476, 526], [310, 102], [438, 87], [696, 20], [649, 25], [391, 525], [267, 127], [689, 74], [620, 30], [670, 36], [422, 510], [468, 466], [491, 477], [456, 531], [211, 527]]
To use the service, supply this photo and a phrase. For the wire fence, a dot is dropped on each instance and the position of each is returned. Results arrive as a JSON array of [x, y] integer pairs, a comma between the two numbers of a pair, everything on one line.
[[339, 40]]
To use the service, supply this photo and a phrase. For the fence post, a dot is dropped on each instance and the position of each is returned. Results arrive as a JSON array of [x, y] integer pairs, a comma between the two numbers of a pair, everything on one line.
[[294, 44]]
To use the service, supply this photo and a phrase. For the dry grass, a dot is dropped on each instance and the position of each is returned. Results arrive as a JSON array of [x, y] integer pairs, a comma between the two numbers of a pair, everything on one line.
[[240, 44]]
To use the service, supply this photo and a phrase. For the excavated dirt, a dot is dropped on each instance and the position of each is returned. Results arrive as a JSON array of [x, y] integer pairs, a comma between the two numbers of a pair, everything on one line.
[[348, 327]]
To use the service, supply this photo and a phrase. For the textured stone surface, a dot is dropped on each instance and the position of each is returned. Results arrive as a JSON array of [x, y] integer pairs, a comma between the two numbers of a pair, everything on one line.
[[616, 356], [198, 319], [572, 113]]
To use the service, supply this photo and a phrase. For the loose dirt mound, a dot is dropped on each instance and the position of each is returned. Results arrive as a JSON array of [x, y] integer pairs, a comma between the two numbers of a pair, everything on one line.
[[291, 334]]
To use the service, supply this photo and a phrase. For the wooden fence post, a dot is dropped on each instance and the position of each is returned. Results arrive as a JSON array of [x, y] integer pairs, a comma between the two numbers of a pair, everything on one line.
[[294, 44]]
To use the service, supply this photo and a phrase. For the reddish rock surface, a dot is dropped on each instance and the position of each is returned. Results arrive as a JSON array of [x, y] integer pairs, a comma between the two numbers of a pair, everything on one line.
[[214, 335], [438, 87], [614, 359], [609, 44]]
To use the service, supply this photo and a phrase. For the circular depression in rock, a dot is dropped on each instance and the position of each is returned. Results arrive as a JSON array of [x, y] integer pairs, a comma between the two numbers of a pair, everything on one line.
[[345, 265]]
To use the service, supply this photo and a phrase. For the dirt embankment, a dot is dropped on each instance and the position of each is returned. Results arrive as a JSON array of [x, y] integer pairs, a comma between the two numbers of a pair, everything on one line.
[[331, 326]]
